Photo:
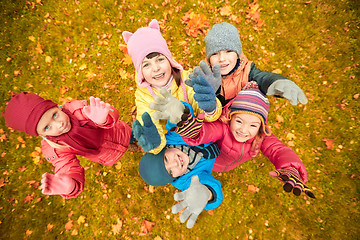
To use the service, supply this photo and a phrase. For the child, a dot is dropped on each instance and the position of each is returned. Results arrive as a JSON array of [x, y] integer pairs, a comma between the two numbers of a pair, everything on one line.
[[92, 131], [185, 167], [156, 68], [243, 135], [223, 46]]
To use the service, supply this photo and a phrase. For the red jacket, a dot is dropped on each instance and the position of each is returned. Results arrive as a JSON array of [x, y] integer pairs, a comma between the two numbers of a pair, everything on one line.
[[233, 153], [116, 141]]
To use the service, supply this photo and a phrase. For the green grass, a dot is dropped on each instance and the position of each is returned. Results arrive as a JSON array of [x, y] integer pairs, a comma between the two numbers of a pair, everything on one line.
[[313, 43]]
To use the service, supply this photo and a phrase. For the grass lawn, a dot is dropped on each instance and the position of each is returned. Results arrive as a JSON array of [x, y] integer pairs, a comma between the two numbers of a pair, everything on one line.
[[66, 49]]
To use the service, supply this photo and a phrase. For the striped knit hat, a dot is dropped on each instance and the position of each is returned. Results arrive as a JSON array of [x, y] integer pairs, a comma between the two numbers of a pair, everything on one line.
[[252, 101]]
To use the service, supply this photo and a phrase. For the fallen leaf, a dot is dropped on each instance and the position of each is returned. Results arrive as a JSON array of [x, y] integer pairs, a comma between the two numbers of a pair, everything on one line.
[[49, 226], [29, 198], [17, 73], [127, 59], [123, 48], [118, 165], [356, 96], [69, 225], [64, 89], [225, 11], [2, 182], [151, 189], [278, 71], [252, 188], [290, 136], [328, 142], [116, 228], [279, 119], [31, 38], [28, 233], [157, 238], [75, 232], [146, 227], [23, 168], [195, 23], [81, 220], [48, 59], [39, 49]]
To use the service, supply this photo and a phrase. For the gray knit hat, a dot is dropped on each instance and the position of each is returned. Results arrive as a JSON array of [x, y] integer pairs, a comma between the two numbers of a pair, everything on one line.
[[222, 36]]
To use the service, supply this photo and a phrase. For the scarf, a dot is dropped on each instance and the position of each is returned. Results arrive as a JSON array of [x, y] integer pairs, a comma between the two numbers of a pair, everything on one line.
[[83, 136]]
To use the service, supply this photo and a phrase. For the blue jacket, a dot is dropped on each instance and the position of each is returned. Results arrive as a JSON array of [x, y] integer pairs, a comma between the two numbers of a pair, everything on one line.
[[202, 169]]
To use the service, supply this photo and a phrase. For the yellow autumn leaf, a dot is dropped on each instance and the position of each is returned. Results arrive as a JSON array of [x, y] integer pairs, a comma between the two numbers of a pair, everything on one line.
[[290, 136], [123, 73], [28, 232], [279, 119], [81, 219], [49, 226], [127, 59], [48, 59], [278, 71], [118, 165], [117, 227], [31, 38]]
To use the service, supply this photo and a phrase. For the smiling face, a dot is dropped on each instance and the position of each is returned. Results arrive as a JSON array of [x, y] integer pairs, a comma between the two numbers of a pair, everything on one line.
[[156, 70], [176, 162], [244, 126], [54, 122], [227, 60]]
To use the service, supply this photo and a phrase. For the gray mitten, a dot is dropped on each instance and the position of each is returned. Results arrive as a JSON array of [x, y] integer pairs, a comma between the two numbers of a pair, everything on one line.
[[213, 77], [168, 106], [194, 201], [287, 89]]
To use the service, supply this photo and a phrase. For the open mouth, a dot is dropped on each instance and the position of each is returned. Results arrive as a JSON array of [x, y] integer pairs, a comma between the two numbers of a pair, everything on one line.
[[159, 76], [224, 65]]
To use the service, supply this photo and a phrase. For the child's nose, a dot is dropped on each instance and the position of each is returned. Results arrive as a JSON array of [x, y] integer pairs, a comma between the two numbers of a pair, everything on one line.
[[156, 67], [221, 56]]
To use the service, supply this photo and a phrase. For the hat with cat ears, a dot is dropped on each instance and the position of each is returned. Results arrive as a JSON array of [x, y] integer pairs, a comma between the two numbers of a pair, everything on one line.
[[144, 41]]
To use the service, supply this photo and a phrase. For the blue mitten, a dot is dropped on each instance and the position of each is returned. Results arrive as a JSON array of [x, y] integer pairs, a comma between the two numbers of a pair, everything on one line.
[[204, 93], [194, 200], [147, 135], [287, 89]]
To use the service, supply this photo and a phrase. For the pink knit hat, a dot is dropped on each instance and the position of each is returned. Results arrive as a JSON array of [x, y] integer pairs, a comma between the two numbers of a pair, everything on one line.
[[144, 41], [24, 111]]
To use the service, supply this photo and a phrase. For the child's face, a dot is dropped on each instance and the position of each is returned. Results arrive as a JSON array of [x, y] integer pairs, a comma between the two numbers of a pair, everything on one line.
[[54, 122], [244, 126], [227, 60], [176, 162], [156, 70]]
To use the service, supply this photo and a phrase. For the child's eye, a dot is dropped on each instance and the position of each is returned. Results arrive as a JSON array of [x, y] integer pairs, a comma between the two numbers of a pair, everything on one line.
[[145, 65], [166, 159], [160, 59], [46, 128], [55, 115], [239, 121], [171, 174], [229, 51]]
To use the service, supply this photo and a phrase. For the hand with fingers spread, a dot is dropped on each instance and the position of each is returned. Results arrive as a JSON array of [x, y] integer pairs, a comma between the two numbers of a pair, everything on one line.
[[287, 89], [97, 110], [193, 200], [168, 106], [57, 184], [293, 182], [212, 76], [147, 136], [204, 93]]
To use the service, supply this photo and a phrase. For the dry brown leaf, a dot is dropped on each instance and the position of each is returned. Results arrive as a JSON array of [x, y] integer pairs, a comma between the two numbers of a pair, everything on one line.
[[195, 23], [49, 226], [2, 182], [328, 142], [69, 225], [29, 197], [117, 227], [23, 168], [146, 227], [28, 233]]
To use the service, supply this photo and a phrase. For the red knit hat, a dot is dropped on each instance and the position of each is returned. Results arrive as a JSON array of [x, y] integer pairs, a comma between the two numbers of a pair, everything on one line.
[[24, 111]]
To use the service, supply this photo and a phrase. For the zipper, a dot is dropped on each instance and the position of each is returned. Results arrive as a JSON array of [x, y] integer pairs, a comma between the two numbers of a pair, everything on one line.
[[242, 153]]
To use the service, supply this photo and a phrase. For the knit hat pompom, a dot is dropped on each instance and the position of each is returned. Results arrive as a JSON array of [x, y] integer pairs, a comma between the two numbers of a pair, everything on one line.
[[152, 169], [222, 36], [252, 101], [24, 111], [144, 41]]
